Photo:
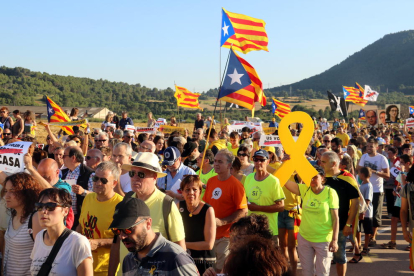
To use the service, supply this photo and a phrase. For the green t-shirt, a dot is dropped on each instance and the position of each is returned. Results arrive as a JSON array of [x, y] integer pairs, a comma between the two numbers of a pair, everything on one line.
[[234, 151], [264, 193], [316, 224], [204, 178]]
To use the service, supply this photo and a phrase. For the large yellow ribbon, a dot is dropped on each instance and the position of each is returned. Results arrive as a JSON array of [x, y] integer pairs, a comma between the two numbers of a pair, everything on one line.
[[296, 150]]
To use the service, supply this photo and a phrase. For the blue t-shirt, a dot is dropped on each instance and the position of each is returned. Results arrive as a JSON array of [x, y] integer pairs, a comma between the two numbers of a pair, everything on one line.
[[63, 185], [367, 192]]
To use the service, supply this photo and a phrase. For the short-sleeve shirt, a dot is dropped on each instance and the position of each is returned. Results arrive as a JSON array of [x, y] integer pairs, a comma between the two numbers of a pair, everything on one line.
[[368, 193], [175, 222], [264, 193], [345, 186], [226, 197], [167, 182], [204, 178], [376, 163], [95, 218], [408, 193], [344, 138], [198, 124], [316, 224]]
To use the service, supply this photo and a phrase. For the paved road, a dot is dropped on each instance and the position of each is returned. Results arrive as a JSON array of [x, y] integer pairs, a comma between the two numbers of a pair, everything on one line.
[[387, 262]]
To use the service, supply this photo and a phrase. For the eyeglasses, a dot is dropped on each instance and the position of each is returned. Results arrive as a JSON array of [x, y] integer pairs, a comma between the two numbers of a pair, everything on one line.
[[127, 231], [95, 133], [261, 160], [49, 206], [90, 157], [102, 179], [133, 173], [129, 136], [242, 154], [96, 141], [327, 141], [6, 133]]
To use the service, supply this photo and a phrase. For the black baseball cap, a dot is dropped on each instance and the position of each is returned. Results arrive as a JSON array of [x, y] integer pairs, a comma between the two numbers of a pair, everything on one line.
[[188, 149], [128, 211]]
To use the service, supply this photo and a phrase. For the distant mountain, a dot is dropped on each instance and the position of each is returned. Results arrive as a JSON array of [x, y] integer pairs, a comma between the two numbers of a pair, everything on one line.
[[386, 63]]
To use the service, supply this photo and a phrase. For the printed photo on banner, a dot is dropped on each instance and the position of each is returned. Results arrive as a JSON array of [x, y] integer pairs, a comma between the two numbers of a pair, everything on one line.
[[382, 117], [11, 156], [372, 117], [393, 114]]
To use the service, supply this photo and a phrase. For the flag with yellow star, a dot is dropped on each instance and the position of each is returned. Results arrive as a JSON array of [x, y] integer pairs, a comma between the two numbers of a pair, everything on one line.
[[185, 98]]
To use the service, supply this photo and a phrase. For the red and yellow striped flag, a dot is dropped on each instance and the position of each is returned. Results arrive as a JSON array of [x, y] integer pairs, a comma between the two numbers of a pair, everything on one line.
[[245, 33], [186, 98], [56, 114], [280, 109]]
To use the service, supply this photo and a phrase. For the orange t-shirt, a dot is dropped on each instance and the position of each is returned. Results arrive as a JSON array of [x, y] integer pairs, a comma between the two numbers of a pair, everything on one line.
[[226, 197]]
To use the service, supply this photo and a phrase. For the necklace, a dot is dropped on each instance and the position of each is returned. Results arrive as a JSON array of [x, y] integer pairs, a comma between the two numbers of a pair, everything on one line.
[[191, 213]]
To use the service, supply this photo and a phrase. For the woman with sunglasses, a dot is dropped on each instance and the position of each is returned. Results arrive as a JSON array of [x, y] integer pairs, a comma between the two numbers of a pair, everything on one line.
[[243, 154], [74, 256], [199, 223], [20, 192], [5, 119]]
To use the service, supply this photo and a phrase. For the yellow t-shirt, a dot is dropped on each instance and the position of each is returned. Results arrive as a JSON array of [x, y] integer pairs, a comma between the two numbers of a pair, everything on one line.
[[175, 222], [344, 137], [265, 192], [95, 218], [234, 151]]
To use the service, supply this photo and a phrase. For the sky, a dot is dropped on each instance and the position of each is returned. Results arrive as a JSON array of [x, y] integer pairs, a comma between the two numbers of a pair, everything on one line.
[[159, 43]]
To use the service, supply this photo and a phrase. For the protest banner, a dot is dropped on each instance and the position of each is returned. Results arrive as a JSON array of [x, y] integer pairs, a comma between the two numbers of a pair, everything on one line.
[[129, 127], [160, 122], [409, 122], [238, 125], [145, 130], [171, 129], [270, 141], [269, 130], [11, 156]]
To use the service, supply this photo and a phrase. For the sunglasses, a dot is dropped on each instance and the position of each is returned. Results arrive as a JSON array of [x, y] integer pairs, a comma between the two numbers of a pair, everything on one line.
[[6, 133], [49, 206], [327, 141], [89, 157], [103, 180], [140, 174], [242, 154], [129, 136], [127, 231], [96, 141], [261, 160]]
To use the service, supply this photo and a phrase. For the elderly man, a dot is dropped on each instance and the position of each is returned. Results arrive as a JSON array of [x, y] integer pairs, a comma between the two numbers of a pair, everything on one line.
[[264, 193], [145, 246], [122, 154], [380, 170], [144, 172], [101, 140], [199, 123], [198, 137], [326, 141], [58, 156], [79, 173], [93, 158], [125, 120], [226, 194], [128, 137], [147, 146], [371, 118], [97, 211], [174, 173], [347, 189]]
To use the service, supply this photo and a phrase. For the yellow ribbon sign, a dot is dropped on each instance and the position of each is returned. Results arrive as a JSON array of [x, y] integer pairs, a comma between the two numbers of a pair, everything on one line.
[[296, 150], [171, 129]]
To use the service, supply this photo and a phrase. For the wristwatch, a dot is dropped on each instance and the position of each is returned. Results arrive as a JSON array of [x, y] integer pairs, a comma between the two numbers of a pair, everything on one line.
[[349, 225], [84, 193]]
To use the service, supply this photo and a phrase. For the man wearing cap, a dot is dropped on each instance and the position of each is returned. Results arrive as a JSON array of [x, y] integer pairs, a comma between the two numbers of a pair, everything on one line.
[[226, 195], [264, 193], [144, 172], [125, 120], [96, 216], [191, 154], [149, 252], [122, 154], [175, 172]]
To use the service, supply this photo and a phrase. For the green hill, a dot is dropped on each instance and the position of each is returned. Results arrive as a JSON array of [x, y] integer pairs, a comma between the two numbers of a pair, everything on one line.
[[388, 63]]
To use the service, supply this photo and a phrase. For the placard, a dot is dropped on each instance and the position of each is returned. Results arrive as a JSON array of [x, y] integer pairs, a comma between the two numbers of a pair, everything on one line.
[[272, 140], [160, 122], [11, 156], [171, 129], [239, 125], [146, 130], [409, 122], [395, 171], [129, 127]]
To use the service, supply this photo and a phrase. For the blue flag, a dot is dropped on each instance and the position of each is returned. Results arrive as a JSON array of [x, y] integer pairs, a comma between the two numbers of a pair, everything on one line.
[[273, 107], [411, 109]]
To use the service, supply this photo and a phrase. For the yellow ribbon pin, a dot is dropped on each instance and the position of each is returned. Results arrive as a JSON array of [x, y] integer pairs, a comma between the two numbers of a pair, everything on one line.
[[153, 268], [296, 150]]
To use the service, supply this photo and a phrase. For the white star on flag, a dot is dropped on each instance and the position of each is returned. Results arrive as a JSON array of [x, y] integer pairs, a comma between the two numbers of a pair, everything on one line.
[[235, 77], [225, 29], [338, 104], [50, 110]]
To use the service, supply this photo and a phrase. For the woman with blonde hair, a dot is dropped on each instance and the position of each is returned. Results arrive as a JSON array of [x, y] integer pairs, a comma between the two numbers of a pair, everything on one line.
[[151, 121]]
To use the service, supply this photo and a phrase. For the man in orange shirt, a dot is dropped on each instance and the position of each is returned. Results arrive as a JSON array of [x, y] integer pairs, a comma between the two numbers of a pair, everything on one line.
[[226, 194]]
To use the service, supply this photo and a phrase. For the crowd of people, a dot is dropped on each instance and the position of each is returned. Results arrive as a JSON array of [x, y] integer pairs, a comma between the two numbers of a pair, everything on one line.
[[112, 201]]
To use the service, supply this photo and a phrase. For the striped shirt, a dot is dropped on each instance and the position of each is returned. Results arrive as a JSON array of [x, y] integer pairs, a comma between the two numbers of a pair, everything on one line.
[[75, 175], [19, 245], [164, 258]]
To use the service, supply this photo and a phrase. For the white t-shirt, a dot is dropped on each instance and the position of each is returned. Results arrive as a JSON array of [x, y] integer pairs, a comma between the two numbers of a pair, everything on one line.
[[125, 180], [75, 249], [376, 163]]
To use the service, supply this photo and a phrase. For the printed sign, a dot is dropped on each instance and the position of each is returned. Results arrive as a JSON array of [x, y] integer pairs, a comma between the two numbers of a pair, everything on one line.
[[171, 129], [239, 125], [409, 122], [129, 127], [145, 129], [270, 141], [11, 156], [269, 130], [394, 171], [160, 122]]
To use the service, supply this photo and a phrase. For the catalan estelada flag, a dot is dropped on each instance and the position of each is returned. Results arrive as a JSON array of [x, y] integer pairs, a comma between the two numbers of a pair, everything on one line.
[[56, 114], [245, 33], [186, 98], [361, 91], [411, 109], [362, 115], [352, 94], [241, 84], [280, 109]]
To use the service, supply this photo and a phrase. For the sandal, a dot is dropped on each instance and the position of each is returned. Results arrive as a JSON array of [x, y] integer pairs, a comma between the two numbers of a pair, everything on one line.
[[365, 252], [373, 242], [355, 261], [389, 245], [333, 262]]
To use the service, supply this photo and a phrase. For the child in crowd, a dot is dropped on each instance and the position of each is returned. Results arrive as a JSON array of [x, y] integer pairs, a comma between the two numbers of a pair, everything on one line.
[[366, 218]]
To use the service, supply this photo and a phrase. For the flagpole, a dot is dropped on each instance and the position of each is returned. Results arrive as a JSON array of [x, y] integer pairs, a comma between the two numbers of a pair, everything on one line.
[[214, 112]]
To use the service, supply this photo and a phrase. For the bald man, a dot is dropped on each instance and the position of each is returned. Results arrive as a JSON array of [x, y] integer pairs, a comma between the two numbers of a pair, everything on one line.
[[147, 146], [93, 158]]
